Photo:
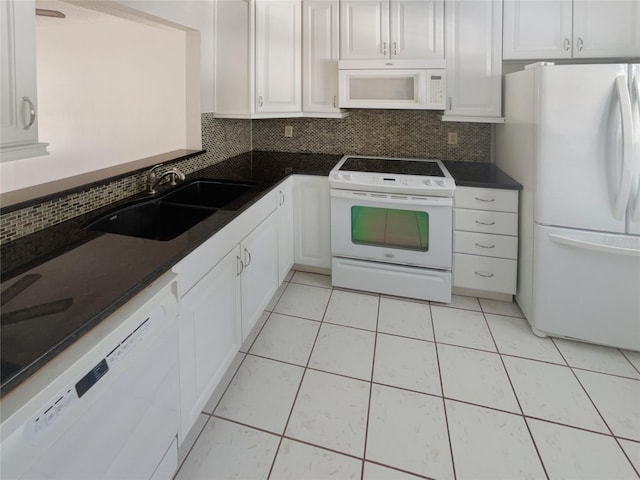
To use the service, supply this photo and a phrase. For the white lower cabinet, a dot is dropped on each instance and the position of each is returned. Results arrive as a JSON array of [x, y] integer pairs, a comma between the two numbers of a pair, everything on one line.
[[312, 222], [209, 336], [259, 271], [485, 242]]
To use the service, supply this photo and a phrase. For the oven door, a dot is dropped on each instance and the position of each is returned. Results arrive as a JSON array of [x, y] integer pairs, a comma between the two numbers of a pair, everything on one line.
[[392, 228]]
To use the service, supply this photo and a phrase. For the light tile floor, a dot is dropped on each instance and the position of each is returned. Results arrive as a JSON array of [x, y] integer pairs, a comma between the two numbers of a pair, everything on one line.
[[336, 384]]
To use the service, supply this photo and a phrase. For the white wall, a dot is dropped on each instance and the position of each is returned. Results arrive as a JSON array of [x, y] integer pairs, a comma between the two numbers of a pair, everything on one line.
[[110, 90], [196, 14]]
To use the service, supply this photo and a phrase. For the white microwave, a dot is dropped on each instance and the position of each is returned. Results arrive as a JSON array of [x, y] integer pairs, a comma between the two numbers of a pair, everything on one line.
[[411, 89]]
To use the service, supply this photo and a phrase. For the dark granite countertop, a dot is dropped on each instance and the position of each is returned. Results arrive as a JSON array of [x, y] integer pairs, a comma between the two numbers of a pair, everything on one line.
[[477, 174], [60, 282]]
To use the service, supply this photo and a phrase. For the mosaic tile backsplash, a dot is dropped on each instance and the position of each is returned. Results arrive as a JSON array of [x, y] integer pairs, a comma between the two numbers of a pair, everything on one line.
[[404, 133], [364, 132], [221, 139]]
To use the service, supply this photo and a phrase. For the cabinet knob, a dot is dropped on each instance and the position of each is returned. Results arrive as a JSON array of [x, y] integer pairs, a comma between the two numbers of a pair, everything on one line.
[[260, 101], [567, 44], [580, 44], [32, 113]]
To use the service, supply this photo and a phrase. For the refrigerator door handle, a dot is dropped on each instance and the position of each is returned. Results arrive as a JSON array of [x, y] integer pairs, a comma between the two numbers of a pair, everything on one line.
[[598, 247], [635, 104], [626, 177]]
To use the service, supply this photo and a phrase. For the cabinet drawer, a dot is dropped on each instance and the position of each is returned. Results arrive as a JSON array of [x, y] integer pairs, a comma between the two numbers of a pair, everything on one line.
[[485, 222], [484, 273], [486, 199], [502, 246]]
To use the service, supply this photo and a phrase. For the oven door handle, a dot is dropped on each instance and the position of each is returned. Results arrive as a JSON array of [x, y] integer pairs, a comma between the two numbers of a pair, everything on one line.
[[393, 199]]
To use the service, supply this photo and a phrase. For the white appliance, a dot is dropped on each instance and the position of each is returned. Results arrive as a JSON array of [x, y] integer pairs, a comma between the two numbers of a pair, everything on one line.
[[408, 84], [391, 226], [572, 138], [105, 408]]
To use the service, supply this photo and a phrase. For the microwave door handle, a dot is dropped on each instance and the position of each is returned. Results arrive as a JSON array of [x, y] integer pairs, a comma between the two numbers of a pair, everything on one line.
[[626, 176]]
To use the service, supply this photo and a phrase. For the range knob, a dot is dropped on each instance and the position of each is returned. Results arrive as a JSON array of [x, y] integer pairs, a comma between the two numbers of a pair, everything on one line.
[[427, 182], [440, 183]]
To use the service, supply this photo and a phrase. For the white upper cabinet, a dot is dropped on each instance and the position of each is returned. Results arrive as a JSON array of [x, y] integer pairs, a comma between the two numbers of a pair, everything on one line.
[[556, 29], [474, 65], [391, 29], [278, 56], [18, 105], [258, 58], [320, 54]]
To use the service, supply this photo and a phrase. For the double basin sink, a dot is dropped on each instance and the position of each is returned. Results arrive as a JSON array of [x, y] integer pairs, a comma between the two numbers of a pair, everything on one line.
[[166, 216]]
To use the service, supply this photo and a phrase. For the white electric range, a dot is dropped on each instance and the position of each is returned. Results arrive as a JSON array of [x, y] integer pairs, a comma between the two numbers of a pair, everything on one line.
[[391, 226]]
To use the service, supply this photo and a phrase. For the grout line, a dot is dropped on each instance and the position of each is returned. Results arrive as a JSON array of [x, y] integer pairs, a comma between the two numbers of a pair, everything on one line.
[[585, 390], [373, 366], [295, 398], [444, 405], [515, 394]]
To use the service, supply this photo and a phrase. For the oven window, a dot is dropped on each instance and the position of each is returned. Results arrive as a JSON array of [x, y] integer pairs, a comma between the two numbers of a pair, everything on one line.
[[387, 227]]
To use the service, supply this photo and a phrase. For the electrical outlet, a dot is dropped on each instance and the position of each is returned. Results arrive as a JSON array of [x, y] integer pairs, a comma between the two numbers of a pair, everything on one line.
[[288, 131], [452, 138]]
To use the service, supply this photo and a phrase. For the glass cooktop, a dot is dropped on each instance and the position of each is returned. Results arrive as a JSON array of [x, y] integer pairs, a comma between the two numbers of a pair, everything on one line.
[[392, 166]]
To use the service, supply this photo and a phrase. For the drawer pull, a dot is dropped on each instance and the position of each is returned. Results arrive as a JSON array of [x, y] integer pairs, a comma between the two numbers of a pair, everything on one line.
[[484, 246], [485, 223], [484, 275], [486, 200]]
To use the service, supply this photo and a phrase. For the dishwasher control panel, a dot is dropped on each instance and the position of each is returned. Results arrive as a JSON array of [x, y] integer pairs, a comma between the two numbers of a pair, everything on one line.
[[60, 405]]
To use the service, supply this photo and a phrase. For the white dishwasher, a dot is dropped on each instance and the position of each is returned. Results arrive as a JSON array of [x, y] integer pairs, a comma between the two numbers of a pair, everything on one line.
[[107, 407]]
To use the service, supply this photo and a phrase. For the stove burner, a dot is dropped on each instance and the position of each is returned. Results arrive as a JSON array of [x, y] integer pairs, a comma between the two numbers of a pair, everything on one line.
[[392, 166]]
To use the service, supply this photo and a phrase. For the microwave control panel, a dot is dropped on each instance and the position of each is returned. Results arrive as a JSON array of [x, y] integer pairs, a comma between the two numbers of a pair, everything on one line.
[[435, 89]]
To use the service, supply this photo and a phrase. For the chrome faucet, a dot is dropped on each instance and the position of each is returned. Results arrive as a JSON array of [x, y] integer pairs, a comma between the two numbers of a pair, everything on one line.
[[153, 179]]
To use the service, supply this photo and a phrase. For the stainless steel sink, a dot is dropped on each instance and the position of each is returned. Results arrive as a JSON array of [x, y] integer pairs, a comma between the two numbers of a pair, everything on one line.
[[167, 216]]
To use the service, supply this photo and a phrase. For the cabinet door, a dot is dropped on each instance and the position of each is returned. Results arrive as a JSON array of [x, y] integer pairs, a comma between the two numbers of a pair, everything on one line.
[[474, 65], [417, 29], [285, 228], [259, 251], [209, 336], [278, 56], [364, 29], [537, 29], [320, 53], [312, 221], [606, 28], [18, 73]]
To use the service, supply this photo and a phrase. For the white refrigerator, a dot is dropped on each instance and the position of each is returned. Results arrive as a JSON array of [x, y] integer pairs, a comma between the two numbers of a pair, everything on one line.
[[572, 138]]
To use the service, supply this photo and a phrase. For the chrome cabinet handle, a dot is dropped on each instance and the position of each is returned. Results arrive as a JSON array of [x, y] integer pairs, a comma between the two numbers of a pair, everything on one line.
[[567, 44], [384, 48], [580, 44], [395, 48], [247, 262], [488, 275], [32, 113], [484, 246], [485, 223], [487, 200], [260, 101], [282, 198], [240, 265]]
